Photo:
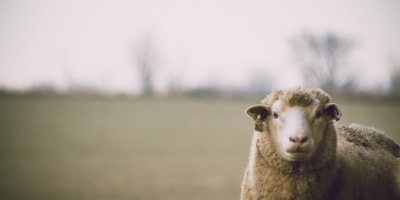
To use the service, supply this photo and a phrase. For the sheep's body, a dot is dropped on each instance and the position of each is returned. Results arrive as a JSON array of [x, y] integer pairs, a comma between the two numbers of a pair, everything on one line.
[[350, 162], [368, 164]]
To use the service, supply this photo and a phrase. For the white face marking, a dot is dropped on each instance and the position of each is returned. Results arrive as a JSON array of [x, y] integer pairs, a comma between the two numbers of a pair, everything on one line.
[[296, 130]]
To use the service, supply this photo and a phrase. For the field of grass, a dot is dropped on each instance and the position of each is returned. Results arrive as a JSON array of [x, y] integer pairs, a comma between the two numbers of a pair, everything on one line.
[[168, 148]]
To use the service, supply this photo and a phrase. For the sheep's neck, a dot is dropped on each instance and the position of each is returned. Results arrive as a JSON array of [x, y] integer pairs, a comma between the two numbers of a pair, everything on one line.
[[295, 181]]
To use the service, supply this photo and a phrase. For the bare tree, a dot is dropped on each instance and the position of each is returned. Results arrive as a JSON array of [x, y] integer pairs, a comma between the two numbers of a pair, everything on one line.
[[324, 60], [394, 87], [145, 56]]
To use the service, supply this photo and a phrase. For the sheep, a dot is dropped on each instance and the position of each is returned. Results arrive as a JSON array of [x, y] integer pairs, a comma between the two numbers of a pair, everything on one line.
[[297, 152]]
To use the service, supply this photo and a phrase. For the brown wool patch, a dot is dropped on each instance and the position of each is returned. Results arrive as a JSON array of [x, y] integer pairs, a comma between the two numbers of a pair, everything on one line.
[[297, 96]]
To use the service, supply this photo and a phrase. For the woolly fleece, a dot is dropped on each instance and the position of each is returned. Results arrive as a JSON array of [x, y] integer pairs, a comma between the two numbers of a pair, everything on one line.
[[354, 162]]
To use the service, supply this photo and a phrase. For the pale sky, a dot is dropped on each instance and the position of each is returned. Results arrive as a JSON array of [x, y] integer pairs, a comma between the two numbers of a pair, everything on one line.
[[198, 42]]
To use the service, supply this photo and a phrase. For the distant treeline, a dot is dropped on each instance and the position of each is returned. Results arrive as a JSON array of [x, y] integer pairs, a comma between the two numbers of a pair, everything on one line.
[[349, 96]]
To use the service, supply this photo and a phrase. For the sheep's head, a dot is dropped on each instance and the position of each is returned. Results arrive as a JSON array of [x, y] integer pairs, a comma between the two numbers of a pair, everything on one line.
[[296, 121]]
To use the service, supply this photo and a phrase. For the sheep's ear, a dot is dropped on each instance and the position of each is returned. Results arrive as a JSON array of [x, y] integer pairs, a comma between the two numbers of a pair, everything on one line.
[[333, 111], [258, 113], [256, 110]]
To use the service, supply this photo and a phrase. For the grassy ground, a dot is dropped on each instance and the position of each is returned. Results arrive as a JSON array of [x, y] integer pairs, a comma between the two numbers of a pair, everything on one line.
[[175, 148]]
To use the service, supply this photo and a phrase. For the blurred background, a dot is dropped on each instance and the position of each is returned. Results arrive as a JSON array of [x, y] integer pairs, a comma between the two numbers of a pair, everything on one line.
[[146, 99]]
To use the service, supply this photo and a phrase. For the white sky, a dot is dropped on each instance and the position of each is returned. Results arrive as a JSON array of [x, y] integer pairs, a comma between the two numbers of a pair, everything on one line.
[[198, 42]]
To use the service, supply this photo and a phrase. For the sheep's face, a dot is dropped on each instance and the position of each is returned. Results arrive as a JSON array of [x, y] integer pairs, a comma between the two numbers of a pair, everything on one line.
[[297, 131]]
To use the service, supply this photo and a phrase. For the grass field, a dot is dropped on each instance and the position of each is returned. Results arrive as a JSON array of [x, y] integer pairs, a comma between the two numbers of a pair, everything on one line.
[[172, 148]]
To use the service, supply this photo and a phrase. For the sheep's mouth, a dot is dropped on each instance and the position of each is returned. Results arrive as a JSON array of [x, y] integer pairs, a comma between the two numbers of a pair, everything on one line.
[[297, 154]]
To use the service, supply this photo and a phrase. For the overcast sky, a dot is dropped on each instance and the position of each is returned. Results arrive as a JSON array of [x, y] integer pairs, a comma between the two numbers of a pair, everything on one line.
[[198, 42]]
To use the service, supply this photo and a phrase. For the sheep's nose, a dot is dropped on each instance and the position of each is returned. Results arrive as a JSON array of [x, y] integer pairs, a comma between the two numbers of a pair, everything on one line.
[[298, 139]]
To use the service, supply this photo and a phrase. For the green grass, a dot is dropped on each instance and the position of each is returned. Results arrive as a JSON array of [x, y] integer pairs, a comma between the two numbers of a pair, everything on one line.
[[173, 148]]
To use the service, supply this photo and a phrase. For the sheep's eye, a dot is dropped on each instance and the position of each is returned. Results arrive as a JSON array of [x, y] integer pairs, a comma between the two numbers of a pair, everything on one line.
[[276, 115], [318, 115]]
